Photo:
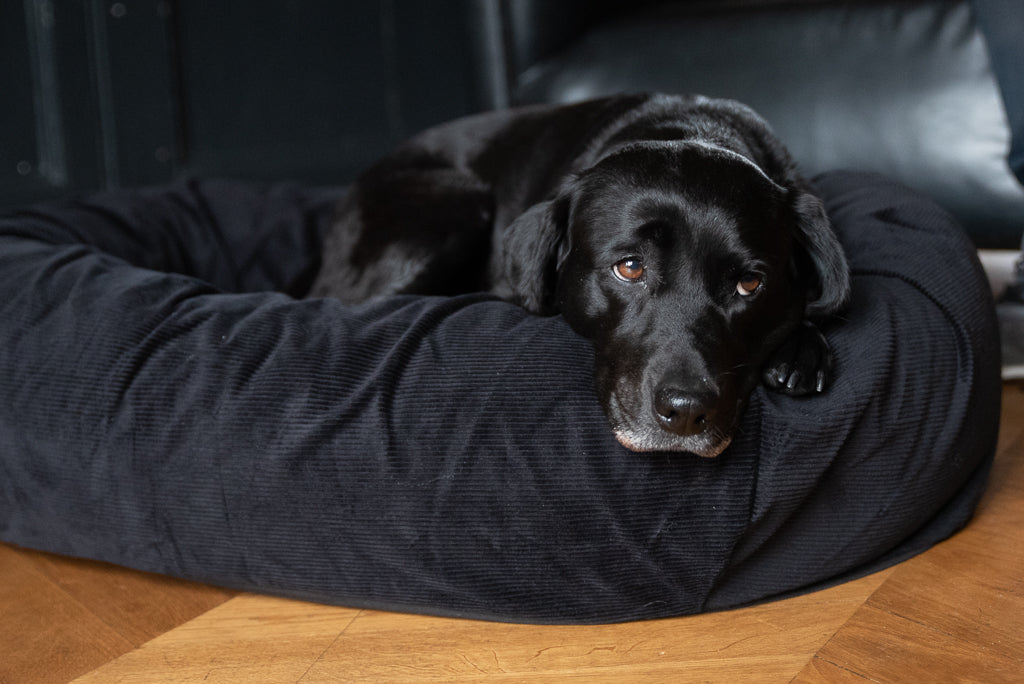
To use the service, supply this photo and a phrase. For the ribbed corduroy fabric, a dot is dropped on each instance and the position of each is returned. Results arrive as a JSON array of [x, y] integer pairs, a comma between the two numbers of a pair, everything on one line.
[[164, 405]]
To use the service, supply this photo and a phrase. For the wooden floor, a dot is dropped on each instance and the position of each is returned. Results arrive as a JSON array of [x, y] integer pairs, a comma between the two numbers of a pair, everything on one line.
[[953, 614]]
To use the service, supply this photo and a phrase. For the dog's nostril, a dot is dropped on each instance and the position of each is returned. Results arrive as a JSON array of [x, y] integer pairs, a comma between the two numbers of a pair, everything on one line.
[[683, 412]]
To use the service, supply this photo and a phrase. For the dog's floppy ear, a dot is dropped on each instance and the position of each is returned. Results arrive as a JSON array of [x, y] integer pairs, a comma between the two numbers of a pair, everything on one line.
[[821, 259], [533, 247]]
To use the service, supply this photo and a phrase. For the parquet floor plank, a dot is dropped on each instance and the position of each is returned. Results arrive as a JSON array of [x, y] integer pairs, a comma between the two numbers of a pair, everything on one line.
[[975, 592], [249, 638], [762, 643], [61, 617], [47, 636], [818, 670], [138, 605], [255, 638], [881, 647]]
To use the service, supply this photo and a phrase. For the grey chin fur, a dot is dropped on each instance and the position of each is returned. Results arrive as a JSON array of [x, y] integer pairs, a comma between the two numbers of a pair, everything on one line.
[[704, 445]]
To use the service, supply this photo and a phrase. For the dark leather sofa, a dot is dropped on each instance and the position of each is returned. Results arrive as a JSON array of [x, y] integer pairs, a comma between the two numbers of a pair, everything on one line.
[[919, 90], [905, 88]]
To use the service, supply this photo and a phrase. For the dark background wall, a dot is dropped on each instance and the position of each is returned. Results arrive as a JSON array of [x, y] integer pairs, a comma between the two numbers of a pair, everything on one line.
[[100, 94]]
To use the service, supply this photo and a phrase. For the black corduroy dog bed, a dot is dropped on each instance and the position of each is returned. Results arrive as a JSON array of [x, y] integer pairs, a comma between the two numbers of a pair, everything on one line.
[[166, 405]]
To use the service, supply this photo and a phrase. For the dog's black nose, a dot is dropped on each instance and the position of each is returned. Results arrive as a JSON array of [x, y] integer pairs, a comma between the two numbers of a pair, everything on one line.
[[684, 412]]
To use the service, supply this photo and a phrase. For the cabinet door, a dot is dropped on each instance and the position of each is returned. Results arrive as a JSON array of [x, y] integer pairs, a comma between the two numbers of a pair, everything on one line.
[[317, 89], [101, 94], [37, 140], [88, 96]]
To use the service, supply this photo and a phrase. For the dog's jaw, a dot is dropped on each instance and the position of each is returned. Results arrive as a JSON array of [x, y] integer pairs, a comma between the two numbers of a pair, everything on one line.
[[705, 445]]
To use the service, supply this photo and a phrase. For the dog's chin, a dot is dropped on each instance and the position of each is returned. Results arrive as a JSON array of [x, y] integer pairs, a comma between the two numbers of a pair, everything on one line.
[[705, 445]]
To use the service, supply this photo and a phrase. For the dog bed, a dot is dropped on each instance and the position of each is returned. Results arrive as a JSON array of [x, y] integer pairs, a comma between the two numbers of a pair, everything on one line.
[[167, 404]]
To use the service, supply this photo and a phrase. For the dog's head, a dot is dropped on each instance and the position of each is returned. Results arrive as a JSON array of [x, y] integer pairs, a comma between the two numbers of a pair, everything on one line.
[[686, 265]]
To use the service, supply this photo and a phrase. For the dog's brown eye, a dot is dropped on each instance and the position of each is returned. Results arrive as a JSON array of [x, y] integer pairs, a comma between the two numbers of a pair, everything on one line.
[[630, 269], [748, 285]]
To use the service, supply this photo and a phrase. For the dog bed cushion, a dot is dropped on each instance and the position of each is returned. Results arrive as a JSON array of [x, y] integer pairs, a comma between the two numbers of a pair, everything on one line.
[[167, 404]]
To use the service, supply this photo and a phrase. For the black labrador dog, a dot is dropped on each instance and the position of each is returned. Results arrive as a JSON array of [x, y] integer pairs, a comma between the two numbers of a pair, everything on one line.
[[672, 231]]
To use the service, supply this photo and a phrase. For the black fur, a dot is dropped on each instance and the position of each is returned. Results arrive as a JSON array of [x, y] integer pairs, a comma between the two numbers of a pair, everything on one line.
[[539, 205]]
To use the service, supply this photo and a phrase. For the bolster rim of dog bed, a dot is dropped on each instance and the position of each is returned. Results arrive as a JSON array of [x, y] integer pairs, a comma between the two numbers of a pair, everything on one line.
[[167, 407]]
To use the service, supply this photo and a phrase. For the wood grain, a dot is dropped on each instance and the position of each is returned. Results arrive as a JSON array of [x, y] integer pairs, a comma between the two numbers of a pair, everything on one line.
[[253, 638], [47, 636], [60, 617], [882, 647], [249, 638]]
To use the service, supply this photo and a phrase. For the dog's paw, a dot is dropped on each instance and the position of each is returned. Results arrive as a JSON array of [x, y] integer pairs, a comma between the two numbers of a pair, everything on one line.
[[802, 365]]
